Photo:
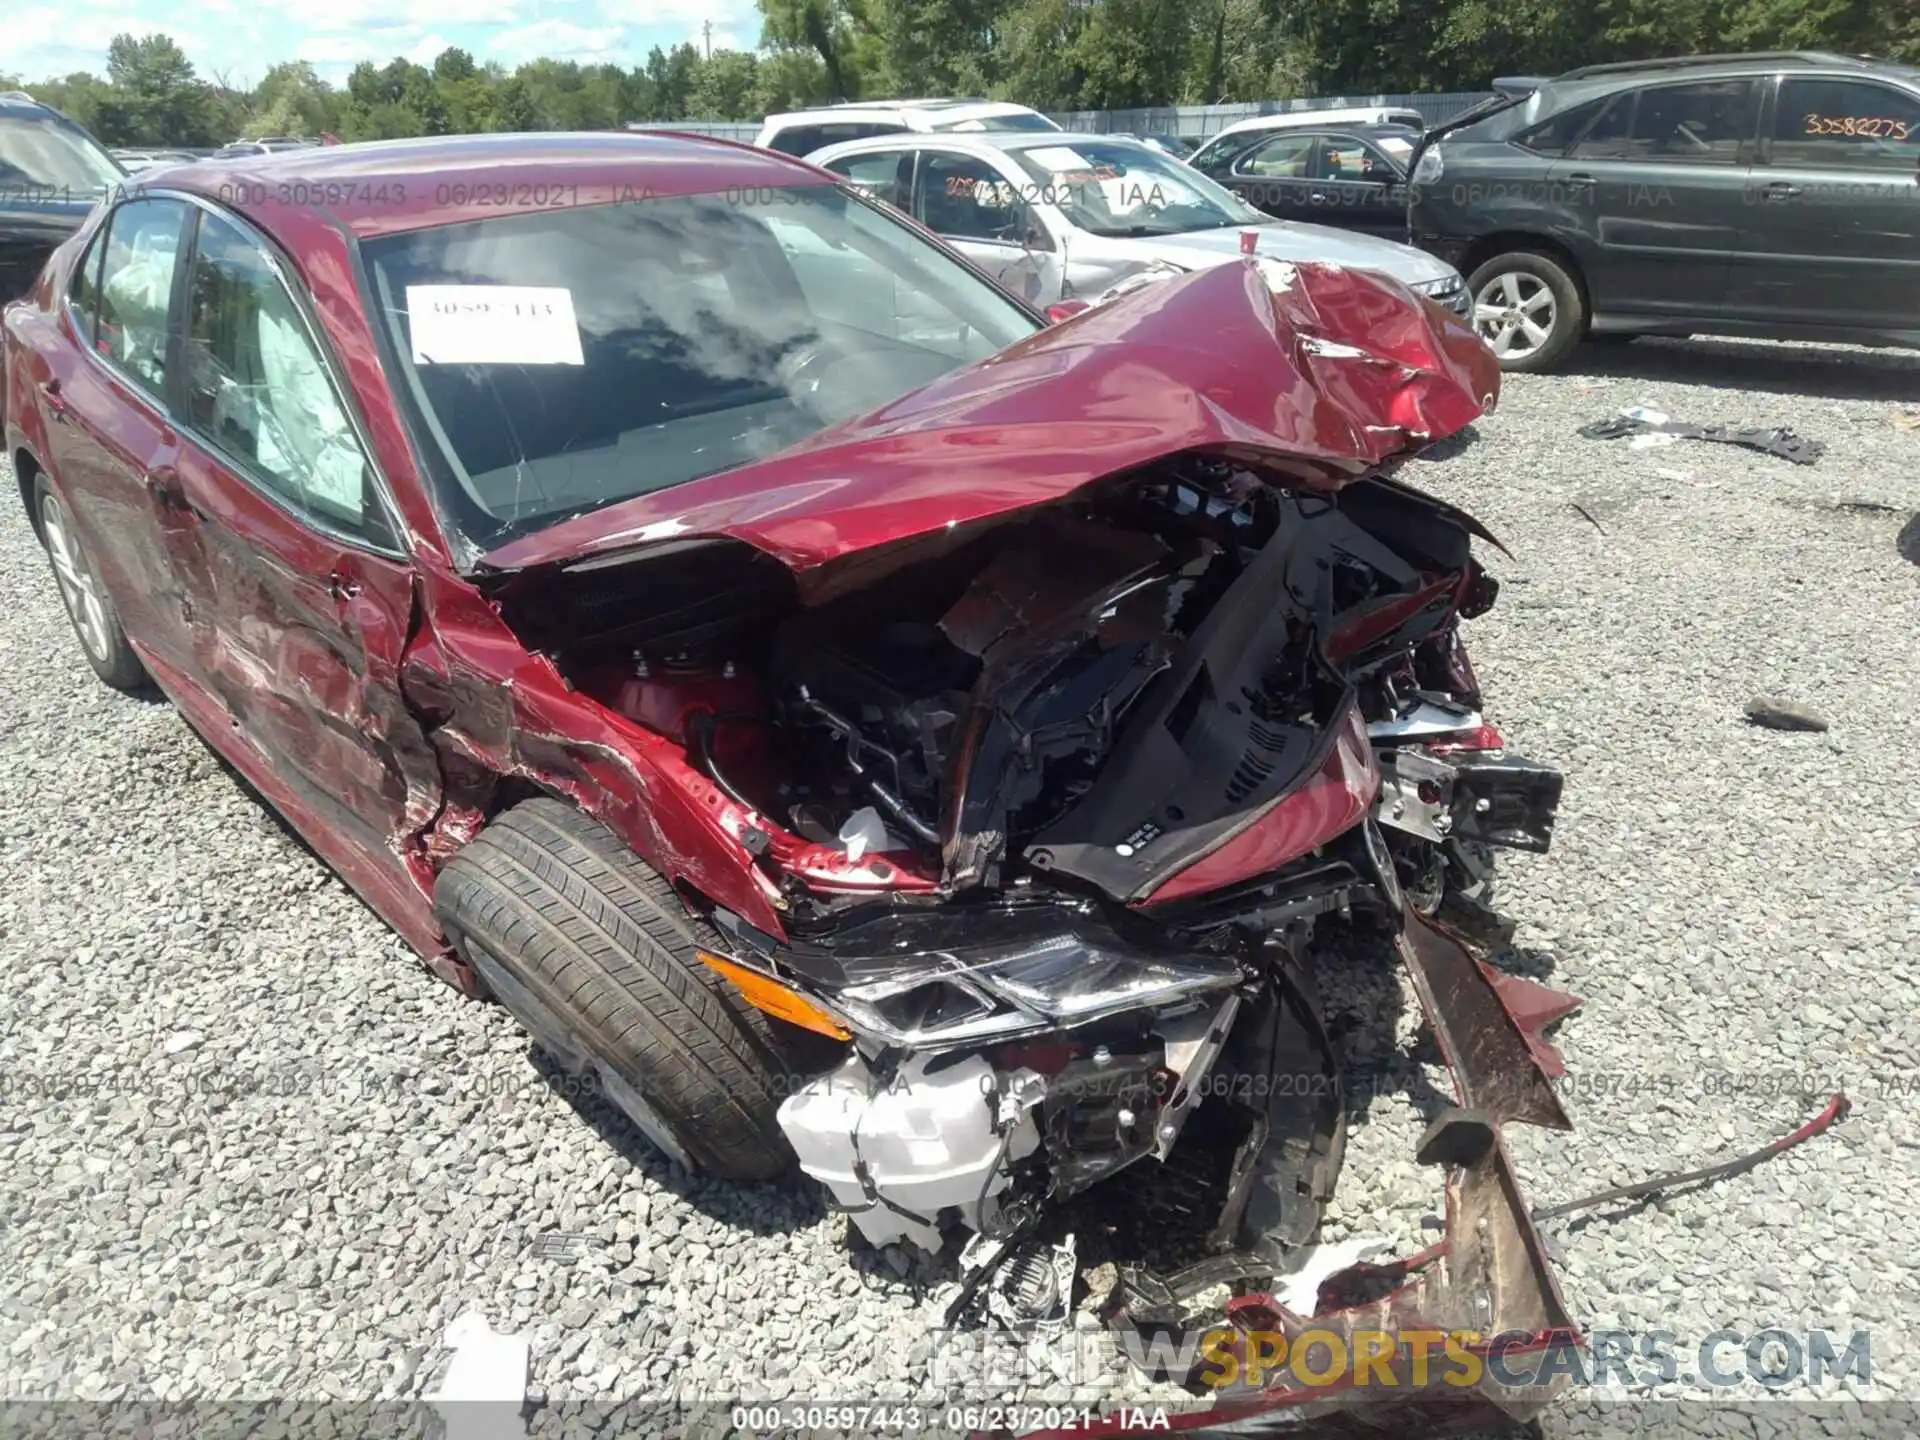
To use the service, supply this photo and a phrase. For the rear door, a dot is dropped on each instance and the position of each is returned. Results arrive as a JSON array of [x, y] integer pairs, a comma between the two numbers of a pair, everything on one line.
[[1354, 185], [113, 443], [304, 598], [983, 212], [1663, 171], [1277, 175], [1832, 220]]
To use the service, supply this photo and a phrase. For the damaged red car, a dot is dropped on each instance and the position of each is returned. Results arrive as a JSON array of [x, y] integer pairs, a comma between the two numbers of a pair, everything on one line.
[[851, 718]]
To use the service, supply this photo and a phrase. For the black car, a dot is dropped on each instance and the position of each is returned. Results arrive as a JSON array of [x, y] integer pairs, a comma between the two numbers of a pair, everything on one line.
[[1354, 176], [51, 173], [1773, 195]]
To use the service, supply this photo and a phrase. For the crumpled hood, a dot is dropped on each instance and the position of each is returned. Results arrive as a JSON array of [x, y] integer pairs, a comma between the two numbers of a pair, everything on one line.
[[1314, 371], [1286, 240]]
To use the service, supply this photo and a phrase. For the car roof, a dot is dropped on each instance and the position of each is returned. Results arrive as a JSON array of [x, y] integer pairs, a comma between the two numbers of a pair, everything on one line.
[[1302, 119], [977, 142], [384, 187], [948, 109], [1733, 63], [1560, 93], [19, 103]]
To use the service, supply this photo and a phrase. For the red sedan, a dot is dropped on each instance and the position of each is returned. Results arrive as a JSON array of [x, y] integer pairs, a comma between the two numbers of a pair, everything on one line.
[[830, 706]]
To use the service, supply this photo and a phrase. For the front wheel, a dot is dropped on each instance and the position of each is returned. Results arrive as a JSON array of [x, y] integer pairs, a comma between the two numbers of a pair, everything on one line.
[[96, 623], [593, 954], [1528, 309]]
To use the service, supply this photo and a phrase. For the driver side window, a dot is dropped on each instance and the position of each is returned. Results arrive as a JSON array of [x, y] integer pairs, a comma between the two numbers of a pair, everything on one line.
[[257, 388], [963, 198]]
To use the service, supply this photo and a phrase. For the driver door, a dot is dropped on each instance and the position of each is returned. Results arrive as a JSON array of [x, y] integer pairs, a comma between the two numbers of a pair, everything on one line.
[[982, 212]]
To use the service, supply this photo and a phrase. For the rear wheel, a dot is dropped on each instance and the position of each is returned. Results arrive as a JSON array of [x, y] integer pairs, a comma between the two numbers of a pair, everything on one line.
[[594, 954], [1528, 309], [96, 624]]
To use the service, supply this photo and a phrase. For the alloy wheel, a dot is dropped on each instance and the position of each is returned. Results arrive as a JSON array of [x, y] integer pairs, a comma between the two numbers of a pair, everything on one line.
[[1515, 314], [78, 586]]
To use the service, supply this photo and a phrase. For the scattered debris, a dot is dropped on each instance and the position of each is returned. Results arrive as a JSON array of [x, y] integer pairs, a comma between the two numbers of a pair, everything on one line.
[[1641, 423], [559, 1247], [1908, 540], [1834, 1111], [1907, 420], [1587, 515], [1778, 714], [483, 1395]]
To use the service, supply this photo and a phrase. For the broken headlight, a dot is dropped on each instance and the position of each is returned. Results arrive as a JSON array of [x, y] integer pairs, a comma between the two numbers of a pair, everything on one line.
[[1051, 983]]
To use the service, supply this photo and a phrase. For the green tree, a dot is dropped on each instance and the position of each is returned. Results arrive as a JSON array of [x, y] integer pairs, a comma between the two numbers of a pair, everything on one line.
[[724, 88], [153, 96]]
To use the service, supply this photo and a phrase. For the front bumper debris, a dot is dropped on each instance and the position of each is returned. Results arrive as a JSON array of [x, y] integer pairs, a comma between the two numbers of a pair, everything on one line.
[[1486, 1289]]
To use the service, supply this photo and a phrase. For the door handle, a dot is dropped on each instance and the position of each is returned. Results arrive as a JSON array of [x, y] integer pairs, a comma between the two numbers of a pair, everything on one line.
[[1778, 190], [56, 402], [342, 586], [1580, 177]]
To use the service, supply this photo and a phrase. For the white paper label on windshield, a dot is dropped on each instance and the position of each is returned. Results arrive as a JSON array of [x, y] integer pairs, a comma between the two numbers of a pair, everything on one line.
[[1058, 158], [493, 325]]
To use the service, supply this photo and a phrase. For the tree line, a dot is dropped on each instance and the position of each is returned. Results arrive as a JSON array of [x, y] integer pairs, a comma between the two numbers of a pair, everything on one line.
[[1051, 54]]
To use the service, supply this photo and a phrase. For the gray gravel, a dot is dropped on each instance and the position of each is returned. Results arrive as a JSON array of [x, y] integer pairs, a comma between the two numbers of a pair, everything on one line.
[[249, 1148]]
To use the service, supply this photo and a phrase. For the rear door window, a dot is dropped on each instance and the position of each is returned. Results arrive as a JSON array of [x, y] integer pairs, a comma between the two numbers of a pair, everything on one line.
[[884, 174], [1846, 124], [965, 198], [1700, 124], [136, 287], [1556, 134], [1611, 135], [1281, 158]]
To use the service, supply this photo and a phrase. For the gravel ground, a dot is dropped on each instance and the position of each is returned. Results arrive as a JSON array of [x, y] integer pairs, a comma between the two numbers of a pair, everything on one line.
[[248, 1148]]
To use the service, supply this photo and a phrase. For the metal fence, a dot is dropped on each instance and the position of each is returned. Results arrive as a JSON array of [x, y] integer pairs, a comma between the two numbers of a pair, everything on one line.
[[1194, 121]]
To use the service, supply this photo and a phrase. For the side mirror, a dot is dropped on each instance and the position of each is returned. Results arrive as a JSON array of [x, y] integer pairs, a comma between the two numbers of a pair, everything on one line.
[[1066, 310]]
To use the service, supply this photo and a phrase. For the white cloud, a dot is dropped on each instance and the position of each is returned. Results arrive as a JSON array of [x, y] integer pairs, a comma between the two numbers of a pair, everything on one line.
[[334, 51], [559, 40]]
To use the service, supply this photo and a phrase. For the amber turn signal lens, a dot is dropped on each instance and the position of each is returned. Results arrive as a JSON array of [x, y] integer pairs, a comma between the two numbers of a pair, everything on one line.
[[774, 998]]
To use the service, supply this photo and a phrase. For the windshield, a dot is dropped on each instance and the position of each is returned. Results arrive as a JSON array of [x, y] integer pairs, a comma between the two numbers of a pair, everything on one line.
[[44, 152], [576, 357], [1029, 121], [1116, 187]]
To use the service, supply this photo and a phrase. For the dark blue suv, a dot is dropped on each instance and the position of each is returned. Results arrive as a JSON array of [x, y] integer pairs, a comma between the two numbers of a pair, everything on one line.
[[1773, 195], [51, 173]]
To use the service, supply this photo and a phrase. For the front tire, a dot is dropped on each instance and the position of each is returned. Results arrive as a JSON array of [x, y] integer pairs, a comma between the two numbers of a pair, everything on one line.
[[1528, 309], [90, 610], [593, 953]]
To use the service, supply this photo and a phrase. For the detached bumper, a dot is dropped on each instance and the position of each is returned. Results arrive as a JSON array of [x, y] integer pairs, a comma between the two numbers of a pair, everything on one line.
[[1450, 1339]]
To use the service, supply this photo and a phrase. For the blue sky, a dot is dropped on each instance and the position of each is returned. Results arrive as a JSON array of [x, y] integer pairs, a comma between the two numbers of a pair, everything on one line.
[[238, 39]]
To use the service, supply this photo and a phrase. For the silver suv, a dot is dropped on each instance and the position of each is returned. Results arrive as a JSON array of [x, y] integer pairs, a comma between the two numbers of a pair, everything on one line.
[[1064, 216]]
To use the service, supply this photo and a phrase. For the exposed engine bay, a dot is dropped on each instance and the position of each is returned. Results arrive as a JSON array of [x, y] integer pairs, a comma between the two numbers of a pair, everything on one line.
[[1053, 808]]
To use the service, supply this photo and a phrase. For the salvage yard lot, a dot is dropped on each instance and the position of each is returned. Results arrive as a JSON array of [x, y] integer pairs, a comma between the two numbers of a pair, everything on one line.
[[249, 1148]]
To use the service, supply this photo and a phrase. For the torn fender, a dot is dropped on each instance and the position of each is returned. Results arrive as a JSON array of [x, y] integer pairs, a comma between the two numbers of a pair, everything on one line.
[[1312, 372]]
